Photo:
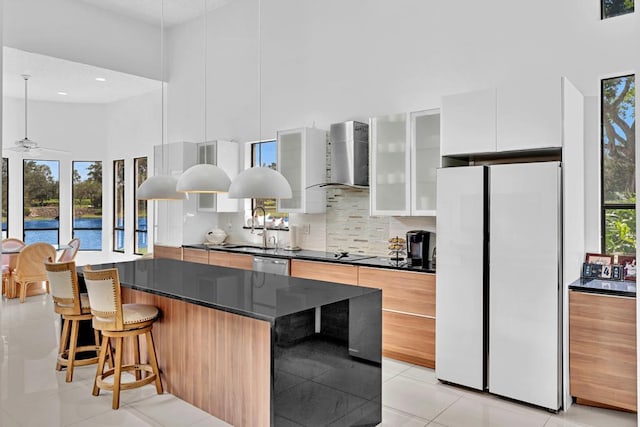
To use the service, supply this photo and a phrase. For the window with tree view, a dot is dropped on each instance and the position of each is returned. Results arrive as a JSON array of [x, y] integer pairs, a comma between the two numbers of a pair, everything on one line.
[[618, 165], [41, 201], [87, 204], [140, 211], [611, 8], [118, 205], [5, 197], [264, 154]]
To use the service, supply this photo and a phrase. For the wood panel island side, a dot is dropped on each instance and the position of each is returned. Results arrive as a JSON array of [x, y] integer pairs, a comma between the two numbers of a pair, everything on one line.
[[259, 349]]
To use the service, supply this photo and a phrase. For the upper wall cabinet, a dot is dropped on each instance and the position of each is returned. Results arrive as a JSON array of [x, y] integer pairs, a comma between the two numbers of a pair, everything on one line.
[[469, 123], [226, 155], [519, 116], [405, 153], [302, 160]]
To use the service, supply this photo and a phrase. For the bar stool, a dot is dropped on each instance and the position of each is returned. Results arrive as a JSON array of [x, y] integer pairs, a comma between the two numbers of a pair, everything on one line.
[[73, 307], [117, 321]]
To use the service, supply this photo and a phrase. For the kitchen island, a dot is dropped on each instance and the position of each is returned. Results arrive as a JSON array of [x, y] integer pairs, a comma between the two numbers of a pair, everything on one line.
[[258, 349]]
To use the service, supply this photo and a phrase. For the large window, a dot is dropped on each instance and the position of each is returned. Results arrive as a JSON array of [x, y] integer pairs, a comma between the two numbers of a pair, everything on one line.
[[5, 197], [118, 206], [41, 201], [264, 154], [140, 245], [611, 8], [87, 204], [618, 165]]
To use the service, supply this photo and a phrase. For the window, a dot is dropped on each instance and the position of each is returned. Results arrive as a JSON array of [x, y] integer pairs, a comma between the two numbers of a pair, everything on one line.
[[41, 182], [618, 165], [611, 8], [140, 245], [264, 154], [87, 204], [5, 197], [118, 206]]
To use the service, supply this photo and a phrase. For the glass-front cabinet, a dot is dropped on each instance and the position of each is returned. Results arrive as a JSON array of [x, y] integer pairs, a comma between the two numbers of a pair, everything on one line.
[[224, 154], [405, 153], [302, 160]]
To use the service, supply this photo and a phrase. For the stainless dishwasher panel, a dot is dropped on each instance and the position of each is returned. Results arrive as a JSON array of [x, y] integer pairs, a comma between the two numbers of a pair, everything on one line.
[[271, 265]]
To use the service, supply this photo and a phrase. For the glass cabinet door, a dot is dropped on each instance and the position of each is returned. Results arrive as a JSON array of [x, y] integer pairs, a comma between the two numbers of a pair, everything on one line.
[[207, 155], [425, 160], [390, 166], [290, 164]]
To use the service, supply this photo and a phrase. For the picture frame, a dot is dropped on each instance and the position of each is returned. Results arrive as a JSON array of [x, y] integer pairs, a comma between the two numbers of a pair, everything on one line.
[[628, 264], [602, 259]]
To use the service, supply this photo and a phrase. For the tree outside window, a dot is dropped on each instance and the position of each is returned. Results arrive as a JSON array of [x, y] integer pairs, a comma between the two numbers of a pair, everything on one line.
[[611, 8], [87, 204], [618, 165], [41, 201], [264, 154]]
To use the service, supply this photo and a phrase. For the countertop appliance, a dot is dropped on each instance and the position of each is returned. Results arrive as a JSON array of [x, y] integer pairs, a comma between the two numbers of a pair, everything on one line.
[[349, 155], [498, 305], [271, 265], [420, 245]]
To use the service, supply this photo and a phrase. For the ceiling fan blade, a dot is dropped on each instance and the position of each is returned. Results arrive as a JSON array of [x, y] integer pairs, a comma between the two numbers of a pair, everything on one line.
[[53, 150], [17, 148]]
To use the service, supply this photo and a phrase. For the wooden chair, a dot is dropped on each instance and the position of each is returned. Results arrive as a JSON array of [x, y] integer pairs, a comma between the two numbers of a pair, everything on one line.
[[10, 250], [69, 254], [73, 307], [117, 321], [30, 266]]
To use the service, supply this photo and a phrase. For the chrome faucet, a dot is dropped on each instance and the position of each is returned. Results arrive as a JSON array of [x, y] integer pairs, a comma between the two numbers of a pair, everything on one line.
[[264, 225]]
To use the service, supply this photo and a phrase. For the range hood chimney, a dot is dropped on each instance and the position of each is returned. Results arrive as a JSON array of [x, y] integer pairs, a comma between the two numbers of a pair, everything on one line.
[[349, 155]]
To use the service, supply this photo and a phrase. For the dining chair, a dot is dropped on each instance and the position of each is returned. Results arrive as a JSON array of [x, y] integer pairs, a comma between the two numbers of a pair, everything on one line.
[[69, 254], [10, 249], [30, 266]]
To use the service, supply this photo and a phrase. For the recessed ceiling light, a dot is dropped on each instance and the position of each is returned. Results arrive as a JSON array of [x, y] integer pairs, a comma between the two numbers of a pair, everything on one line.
[[101, 79], [63, 93]]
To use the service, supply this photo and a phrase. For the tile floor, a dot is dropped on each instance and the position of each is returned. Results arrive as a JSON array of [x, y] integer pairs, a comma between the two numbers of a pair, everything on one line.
[[32, 393]]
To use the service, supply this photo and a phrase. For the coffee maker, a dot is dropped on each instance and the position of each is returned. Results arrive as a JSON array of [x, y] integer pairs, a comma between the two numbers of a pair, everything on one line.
[[420, 244]]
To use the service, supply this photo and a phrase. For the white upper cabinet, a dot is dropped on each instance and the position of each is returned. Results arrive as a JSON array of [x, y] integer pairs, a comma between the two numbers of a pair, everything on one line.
[[405, 153], [302, 160], [530, 115], [225, 155], [469, 123], [425, 160]]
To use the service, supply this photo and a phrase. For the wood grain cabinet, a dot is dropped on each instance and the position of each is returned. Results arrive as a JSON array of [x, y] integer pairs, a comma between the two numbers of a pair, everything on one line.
[[195, 255], [602, 350], [225, 259], [326, 271], [408, 318], [170, 252]]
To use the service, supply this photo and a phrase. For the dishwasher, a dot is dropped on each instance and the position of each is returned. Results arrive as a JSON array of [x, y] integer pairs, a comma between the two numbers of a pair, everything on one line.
[[271, 265]]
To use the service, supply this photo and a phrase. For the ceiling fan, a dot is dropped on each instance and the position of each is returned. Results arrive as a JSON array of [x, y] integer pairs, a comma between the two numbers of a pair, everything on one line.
[[26, 145]]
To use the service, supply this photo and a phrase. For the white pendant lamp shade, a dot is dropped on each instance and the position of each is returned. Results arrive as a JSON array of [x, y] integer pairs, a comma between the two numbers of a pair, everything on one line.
[[204, 179], [260, 183], [159, 187]]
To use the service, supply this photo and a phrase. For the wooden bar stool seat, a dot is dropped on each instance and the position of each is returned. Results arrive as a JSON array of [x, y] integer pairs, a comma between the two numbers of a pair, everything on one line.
[[73, 307], [117, 321]]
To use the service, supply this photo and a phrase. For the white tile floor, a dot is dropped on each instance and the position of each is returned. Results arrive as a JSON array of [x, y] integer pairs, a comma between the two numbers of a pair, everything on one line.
[[32, 393]]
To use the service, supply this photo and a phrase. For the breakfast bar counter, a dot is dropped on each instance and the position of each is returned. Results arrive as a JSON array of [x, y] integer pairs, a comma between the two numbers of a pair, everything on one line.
[[259, 349]]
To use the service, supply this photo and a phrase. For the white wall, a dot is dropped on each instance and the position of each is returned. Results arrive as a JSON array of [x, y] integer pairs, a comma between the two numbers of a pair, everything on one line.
[[82, 33]]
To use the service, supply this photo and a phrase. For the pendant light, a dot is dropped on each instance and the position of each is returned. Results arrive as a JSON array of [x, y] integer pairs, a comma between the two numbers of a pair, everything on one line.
[[160, 187], [260, 182], [204, 178]]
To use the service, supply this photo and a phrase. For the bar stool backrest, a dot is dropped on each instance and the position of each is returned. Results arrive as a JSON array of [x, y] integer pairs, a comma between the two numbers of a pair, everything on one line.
[[103, 287], [63, 281]]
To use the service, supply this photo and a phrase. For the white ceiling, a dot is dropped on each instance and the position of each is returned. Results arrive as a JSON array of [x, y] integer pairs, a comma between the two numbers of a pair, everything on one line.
[[175, 11], [52, 75]]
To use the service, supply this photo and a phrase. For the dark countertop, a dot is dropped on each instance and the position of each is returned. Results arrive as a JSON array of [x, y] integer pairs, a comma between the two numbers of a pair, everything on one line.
[[605, 287], [258, 295], [353, 258]]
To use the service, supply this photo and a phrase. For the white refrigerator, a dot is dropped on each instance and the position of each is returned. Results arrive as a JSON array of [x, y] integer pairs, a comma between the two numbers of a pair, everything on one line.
[[498, 299]]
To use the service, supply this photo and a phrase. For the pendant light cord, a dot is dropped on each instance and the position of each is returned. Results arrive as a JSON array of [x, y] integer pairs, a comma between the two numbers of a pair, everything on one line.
[[204, 2], [260, 81], [162, 82], [25, 77]]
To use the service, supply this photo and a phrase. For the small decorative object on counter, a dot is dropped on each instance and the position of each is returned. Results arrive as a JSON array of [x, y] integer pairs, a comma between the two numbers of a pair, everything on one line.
[[398, 251], [215, 236], [628, 264]]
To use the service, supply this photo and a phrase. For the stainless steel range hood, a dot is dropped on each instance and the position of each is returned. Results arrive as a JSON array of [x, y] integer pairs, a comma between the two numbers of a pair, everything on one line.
[[349, 156]]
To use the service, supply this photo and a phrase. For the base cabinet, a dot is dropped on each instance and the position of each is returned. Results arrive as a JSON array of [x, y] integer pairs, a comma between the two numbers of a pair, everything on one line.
[[170, 252], [224, 259], [328, 272], [602, 350], [195, 255], [409, 338]]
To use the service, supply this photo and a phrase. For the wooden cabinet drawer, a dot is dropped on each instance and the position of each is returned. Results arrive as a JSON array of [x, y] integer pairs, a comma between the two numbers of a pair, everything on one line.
[[409, 338], [171, 252], [405, 291], [224, 259], [195, 255], [336, 273], [602, 349]]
